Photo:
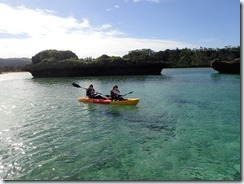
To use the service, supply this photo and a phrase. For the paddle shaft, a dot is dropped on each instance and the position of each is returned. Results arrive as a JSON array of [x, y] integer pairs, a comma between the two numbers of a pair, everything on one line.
[[127, 93]]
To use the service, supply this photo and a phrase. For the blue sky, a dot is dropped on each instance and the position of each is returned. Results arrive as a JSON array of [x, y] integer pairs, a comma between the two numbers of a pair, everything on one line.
[[91, 28]]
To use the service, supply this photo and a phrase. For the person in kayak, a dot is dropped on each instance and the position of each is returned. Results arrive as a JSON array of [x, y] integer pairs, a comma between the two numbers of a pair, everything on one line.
[[91, 93], [115, 94]]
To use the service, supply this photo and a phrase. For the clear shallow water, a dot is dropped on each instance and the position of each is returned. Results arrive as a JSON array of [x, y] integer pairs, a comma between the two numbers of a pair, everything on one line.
[[186, 127]]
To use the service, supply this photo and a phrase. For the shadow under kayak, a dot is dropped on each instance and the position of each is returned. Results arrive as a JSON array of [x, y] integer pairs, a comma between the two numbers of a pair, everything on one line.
[[128, 101]]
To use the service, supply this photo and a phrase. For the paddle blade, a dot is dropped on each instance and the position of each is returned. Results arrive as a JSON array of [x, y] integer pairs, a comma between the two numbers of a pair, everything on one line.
[[76, 85]]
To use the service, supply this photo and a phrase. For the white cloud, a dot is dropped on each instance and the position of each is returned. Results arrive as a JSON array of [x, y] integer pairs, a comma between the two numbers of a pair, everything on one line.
[[115, 7], [136, 1], [152, 1], [106, 26], [25, 32]]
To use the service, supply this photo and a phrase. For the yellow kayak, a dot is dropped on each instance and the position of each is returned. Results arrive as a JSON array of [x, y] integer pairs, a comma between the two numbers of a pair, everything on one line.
[[128, 101]]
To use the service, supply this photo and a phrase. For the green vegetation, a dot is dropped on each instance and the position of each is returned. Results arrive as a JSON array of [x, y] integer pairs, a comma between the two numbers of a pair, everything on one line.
[[170, 58], [53, 56]]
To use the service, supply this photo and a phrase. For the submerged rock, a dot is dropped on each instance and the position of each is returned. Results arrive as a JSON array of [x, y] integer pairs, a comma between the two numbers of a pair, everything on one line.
[[232, 67]]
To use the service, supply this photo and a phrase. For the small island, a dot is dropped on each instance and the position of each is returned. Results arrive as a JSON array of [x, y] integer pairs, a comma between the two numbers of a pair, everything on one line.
[[54, 63], [231, 67]]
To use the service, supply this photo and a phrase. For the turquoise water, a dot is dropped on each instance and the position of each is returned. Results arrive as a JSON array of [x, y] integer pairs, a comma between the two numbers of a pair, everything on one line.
[[186, 127]]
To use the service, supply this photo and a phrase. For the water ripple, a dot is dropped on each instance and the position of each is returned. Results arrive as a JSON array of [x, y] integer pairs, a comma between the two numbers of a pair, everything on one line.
[[180, 130]]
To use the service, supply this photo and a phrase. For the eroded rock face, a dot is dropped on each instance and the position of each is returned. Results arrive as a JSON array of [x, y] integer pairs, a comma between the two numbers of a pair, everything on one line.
[[232, 67], [76, 70]]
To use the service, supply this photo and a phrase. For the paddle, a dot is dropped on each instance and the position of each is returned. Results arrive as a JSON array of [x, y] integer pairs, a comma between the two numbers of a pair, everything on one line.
[[127, 93], [78, 86]]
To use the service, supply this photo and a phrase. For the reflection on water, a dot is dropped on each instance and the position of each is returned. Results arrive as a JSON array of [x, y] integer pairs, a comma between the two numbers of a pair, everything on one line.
[[218, 76], [15, 75]]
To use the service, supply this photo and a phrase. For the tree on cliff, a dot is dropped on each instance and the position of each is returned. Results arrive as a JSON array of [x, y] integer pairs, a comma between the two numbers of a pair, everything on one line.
[[103, 58], [53, 56], [140, 55]]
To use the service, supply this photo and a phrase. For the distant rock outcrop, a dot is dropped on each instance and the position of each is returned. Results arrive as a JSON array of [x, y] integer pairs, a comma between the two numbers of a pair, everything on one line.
[[54, 63], [232, 67]]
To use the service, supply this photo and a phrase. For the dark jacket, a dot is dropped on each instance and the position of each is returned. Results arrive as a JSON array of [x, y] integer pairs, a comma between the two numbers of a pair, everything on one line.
[[90, 93], [114, 95]]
